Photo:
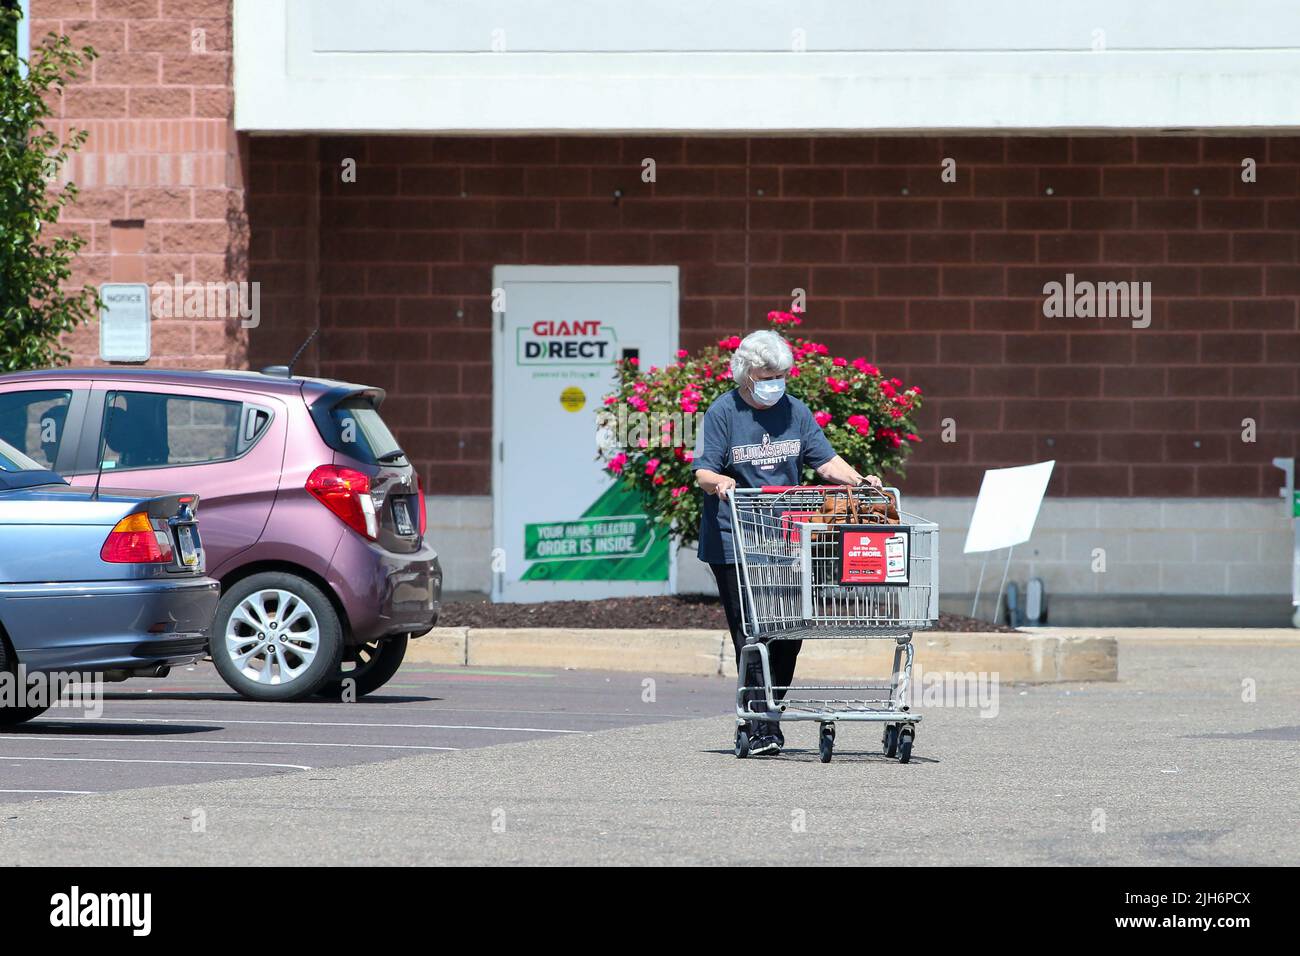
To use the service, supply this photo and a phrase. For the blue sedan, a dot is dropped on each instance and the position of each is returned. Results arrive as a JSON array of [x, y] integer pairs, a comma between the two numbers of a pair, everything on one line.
[[100, 584]]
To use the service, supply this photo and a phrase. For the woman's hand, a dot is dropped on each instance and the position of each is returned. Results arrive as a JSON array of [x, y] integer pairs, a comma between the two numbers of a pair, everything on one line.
[[712, 483], [842, 473]]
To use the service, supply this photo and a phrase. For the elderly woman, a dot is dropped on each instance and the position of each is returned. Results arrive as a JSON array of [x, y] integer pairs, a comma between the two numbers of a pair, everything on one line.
[[757, 435]]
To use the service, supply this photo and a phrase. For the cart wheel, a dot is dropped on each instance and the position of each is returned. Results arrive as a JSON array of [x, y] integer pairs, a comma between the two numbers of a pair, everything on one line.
[[826, 742], [905, 738], [890, 740], [742, 743]]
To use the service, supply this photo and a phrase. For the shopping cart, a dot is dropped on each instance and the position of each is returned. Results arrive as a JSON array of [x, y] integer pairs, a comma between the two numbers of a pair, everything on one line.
[[803, 579]]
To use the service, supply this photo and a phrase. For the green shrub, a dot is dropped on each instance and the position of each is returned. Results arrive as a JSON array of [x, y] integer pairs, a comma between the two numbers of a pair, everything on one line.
[[35, 309], [650, 422]]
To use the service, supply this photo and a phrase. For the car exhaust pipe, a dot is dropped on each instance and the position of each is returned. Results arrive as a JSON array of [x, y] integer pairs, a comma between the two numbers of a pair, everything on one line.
[[121, 673]]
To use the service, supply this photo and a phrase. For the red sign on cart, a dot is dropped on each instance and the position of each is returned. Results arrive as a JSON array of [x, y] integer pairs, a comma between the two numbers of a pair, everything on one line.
[[874, 556]]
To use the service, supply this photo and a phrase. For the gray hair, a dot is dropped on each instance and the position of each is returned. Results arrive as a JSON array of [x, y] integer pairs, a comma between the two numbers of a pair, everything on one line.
[[762, 350]]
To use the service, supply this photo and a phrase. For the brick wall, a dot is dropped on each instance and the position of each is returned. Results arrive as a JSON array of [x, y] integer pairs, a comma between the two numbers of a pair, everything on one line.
[[160, 175], [940, 283]]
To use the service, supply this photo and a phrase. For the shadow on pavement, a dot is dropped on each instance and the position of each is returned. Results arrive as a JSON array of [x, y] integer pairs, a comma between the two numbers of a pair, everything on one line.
[[799, 755], [218, 697], [85, 728]]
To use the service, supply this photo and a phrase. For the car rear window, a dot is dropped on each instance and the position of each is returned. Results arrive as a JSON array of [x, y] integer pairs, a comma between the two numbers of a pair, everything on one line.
[[32, 422], [360, 432], [153, 430]]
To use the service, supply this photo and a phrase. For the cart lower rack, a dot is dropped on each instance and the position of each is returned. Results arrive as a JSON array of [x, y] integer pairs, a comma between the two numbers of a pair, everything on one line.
[[809, 570]]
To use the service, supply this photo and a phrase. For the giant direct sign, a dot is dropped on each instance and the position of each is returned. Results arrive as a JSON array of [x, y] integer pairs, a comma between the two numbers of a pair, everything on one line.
[[564, 528]]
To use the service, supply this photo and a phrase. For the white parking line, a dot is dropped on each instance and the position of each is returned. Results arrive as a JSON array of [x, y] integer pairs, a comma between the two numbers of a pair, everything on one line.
[[50, 791], [311, 723], [205, 763], [217, 741]]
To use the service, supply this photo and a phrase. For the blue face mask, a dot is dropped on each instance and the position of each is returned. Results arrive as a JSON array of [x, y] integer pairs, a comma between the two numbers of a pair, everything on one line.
[[769, 391]]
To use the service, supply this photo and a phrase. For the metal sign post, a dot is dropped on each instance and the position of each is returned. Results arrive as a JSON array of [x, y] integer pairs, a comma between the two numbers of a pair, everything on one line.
[[1291, 495], [1004, 516]]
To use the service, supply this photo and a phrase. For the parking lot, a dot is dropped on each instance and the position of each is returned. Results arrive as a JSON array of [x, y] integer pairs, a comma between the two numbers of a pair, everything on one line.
[[1169, 766], [190, 728]]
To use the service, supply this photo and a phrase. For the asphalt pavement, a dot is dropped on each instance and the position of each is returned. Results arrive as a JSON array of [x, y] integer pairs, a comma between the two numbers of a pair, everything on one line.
[[1189, 759], [190, 728]]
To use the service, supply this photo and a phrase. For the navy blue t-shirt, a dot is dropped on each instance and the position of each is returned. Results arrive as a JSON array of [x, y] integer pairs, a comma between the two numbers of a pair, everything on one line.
[[757, 447]]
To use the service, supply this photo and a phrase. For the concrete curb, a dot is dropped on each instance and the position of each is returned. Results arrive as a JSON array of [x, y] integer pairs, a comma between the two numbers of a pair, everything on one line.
[[1184, 636], [1027, 658]]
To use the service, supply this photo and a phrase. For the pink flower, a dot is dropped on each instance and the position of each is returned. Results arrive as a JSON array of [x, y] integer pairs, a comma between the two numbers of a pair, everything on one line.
[[865, 367], [638, 403], [840, 362], [823, 418], [651, 465], [912, 437], [611, 399], [634, 362], [837, 385], [730, 343], [678, 492], [794, 372], [682, 353], [617, 462]]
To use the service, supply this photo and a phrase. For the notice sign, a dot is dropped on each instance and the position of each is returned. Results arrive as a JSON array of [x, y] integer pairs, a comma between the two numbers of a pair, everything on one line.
[[874, 556], [124, 322]]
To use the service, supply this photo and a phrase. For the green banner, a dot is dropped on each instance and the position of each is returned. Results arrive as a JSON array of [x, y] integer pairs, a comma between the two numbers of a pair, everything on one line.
[[612, 541]]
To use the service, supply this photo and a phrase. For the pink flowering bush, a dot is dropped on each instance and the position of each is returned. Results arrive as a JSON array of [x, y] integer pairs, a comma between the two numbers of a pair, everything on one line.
[[655, 415]]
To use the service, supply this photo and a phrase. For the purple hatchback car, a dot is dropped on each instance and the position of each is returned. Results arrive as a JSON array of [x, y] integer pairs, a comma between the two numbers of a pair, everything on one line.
[[313, 518]]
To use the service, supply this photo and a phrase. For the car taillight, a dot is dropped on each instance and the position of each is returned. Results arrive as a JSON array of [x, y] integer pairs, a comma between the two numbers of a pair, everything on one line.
[[424, 511], [138, 539], [346, 492]]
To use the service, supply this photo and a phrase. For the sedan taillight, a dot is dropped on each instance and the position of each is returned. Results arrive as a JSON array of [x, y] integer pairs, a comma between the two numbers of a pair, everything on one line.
[[137, 539], [346, 492], [424, 511]]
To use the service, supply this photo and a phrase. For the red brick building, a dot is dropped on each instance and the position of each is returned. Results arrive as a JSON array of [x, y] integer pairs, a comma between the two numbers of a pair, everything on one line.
[[940, 282]]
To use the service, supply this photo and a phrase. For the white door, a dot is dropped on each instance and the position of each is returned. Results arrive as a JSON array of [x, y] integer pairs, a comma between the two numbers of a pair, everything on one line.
[[562, 528]]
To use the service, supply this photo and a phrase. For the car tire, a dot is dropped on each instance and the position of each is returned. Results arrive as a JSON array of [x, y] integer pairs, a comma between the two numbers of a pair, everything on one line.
[[276, 637], [376, 663]]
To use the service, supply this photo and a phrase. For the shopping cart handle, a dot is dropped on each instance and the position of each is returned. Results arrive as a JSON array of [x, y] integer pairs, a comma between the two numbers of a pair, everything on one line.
[[781, 489]]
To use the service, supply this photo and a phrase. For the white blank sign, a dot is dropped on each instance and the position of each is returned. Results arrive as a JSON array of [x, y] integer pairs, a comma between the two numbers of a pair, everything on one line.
[[1007, 506]]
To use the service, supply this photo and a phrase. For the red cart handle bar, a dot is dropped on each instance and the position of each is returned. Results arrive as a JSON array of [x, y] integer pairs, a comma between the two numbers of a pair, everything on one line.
[[781, 489]]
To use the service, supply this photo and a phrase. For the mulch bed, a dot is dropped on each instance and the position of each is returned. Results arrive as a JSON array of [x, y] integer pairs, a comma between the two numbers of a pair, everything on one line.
[[686, 610]]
